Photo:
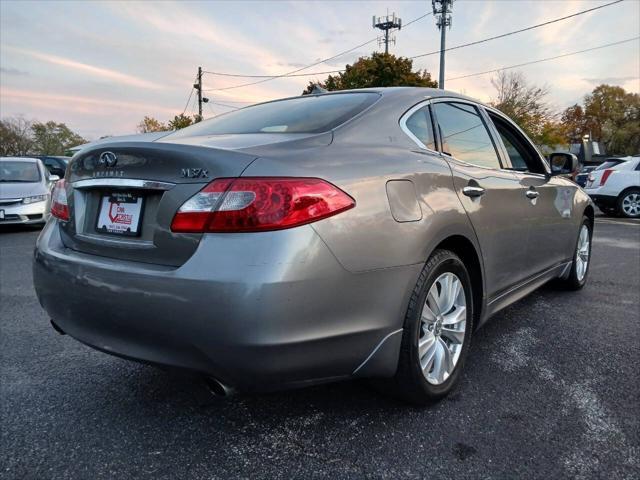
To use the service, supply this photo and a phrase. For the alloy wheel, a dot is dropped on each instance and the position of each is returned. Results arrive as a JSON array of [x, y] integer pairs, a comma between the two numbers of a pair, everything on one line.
[[631, 204], [582, 253], [442, 328]]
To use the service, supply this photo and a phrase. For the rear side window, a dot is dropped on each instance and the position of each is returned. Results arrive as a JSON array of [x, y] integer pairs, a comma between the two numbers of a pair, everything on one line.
[[419, 124], [464, 134], [307, 114], [608, 164]]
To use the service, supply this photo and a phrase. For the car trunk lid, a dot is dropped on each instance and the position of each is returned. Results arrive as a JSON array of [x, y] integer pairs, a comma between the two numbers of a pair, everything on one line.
[[123, 195]]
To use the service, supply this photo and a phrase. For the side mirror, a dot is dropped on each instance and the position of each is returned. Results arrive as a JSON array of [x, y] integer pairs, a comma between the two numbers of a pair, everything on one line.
[[563, 163], [53, 178]]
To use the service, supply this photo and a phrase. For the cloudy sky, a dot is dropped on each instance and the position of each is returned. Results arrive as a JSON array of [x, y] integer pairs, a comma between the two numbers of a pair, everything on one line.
[[101, 67]]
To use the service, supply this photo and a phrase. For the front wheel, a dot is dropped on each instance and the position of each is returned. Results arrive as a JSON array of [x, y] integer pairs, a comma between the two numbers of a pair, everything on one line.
[[437, 330], [629, 203], [581, 258]]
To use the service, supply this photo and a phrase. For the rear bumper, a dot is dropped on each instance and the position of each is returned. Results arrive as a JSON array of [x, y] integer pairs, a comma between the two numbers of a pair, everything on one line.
[[257, 311], [24, 214]]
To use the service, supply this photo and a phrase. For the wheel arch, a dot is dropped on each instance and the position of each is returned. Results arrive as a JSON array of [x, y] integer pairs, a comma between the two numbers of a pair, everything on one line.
[[464, 248], [590, 213]]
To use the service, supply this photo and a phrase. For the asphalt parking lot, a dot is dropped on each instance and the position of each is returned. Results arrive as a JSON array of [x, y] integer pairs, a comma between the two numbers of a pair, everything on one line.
[[551, 390]]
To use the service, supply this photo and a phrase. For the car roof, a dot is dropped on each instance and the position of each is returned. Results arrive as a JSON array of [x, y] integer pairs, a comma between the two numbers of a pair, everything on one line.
[[417, 93]]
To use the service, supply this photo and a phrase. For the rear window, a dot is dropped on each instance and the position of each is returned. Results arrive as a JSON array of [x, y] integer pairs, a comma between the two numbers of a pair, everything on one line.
[[307, 114], [19, 172], [609, 164]]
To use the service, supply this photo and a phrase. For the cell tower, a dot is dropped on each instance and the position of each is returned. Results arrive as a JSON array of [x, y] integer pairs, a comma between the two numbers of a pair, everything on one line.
[[385, 24]]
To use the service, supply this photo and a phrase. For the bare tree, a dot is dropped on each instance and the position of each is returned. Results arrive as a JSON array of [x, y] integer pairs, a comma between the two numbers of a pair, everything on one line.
[[526, 104], [16, 136]]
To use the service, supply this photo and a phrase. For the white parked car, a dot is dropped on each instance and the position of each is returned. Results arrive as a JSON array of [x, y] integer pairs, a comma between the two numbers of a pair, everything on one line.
[[25, 190], [616, 188]]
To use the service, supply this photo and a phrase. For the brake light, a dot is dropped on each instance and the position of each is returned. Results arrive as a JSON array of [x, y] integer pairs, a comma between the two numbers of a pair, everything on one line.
[[255, 204], [605, 175], [59, 204]]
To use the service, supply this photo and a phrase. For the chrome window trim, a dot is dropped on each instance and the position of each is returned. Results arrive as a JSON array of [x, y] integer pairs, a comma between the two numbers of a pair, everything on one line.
[[409, 133], [122, 182]]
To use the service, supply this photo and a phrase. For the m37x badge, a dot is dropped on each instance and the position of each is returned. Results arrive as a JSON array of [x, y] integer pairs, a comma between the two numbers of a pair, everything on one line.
[[194, 173]]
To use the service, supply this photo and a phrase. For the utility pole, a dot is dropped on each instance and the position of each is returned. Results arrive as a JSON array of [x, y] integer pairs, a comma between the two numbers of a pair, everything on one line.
[[385, 24], [198, 87], [441, 9]]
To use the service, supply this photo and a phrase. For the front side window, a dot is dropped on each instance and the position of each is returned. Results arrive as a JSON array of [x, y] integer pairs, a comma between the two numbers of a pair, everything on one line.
[[464, 134], [523, 155], [306, 114], [11, 172], [419, 124]]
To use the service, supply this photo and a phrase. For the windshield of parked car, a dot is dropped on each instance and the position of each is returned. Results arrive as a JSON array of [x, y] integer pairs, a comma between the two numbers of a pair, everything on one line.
[[19, 172], [306, 114]]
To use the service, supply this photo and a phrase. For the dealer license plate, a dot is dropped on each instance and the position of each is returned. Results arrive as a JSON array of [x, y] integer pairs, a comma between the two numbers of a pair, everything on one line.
[[120, 213]]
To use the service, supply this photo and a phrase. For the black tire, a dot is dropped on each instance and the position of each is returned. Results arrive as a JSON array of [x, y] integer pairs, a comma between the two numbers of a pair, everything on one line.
[[573, 282], [621, 198], [409, 382]]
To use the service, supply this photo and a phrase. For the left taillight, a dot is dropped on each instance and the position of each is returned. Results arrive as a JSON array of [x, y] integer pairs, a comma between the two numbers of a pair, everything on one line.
[[605, 176], [59, 204], [256, 204]]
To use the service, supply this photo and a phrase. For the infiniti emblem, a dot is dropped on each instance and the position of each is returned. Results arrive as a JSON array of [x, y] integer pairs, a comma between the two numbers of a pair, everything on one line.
[[108, 159]]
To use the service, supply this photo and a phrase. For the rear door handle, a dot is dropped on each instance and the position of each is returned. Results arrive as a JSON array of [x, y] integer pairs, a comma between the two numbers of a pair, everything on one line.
[[532, 194], [473, 191]]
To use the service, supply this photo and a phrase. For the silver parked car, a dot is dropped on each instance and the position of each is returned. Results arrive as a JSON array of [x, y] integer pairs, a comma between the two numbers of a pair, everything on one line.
[[365, 233], [25, 191]]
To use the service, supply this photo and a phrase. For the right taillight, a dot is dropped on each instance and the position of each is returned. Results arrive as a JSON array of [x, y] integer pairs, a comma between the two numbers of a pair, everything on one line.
[[606, 174], [255, 204], [59, 204]]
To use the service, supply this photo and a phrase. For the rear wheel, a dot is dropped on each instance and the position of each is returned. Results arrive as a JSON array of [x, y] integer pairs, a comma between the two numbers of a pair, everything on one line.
[[629, 203], [437, 330]]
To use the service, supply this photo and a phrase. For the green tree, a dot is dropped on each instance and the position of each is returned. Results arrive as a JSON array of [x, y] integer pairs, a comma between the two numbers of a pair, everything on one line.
[[182, 120], [378, 70], [150, 124], [53, 138], [15, 136], [612, 116], [574, 124]]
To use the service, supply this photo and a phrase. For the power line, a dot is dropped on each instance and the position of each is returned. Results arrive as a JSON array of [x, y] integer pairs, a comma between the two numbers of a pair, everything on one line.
[[266, 78], [225, 105], [188, 100], [220, 74], [291, 73], [545, 59], [532, 27]]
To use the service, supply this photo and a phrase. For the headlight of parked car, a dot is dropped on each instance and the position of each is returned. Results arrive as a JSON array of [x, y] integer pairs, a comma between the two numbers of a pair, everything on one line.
[[34, 199]]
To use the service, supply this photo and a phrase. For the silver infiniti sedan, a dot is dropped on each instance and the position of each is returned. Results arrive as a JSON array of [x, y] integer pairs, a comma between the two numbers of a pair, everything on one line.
[[25, 191], [357, 234]]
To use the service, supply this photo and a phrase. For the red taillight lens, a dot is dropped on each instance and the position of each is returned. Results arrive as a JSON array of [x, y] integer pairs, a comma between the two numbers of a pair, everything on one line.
[[59, 205], [605, 175], [254, 204]]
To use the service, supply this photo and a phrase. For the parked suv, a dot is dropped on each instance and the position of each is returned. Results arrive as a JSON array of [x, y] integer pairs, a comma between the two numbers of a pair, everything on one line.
[[616, 187], [355, 234]]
